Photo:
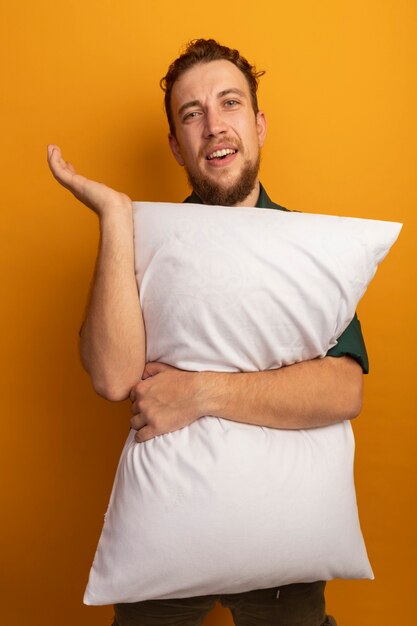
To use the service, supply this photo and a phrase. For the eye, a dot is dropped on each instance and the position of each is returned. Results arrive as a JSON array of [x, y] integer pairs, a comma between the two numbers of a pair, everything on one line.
[[191, 115], [231, 103]]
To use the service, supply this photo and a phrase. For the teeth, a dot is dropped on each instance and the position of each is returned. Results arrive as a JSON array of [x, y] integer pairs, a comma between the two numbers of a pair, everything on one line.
[[221, 153]]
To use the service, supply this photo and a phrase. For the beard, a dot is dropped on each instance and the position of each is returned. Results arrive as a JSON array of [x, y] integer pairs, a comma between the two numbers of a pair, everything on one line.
[[211, 192]]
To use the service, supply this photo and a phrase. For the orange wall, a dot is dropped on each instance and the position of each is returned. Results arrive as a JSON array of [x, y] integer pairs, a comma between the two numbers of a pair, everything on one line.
[[340, 98]]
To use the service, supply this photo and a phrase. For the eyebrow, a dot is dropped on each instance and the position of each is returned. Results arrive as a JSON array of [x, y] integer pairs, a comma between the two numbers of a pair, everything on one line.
[[221, 94]]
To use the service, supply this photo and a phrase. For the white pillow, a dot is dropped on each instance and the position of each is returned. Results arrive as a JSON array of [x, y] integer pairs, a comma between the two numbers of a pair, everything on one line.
[[221, 506]]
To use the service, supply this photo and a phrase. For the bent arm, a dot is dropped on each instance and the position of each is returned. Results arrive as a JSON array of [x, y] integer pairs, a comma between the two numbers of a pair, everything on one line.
[[112, 342], [303, 395], [310, 394]]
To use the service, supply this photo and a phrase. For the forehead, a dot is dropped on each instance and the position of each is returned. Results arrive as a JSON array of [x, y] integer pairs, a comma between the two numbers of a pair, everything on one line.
[[206, 80]]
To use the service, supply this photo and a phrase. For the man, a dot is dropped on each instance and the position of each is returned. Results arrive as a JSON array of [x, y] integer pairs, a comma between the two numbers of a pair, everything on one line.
[[216, 133]]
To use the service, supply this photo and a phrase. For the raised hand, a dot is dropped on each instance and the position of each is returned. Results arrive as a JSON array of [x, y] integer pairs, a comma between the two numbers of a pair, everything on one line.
[[98, 197]]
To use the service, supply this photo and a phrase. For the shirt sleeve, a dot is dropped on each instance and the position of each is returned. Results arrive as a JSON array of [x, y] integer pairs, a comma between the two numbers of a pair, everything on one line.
[[351, 343]]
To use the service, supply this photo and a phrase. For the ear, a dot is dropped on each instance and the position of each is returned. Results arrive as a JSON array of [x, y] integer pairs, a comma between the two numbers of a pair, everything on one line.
[[175, 149], [261, 127]]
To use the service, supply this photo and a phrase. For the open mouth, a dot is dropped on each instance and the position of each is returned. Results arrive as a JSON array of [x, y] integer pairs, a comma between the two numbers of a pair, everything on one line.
[[221, 154]]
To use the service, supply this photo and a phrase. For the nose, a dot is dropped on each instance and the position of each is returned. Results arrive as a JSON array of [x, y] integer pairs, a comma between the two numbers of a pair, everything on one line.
[[214, 123]]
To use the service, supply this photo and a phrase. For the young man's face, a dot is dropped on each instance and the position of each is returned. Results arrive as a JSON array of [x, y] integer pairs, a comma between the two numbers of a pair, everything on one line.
[[217, 134]]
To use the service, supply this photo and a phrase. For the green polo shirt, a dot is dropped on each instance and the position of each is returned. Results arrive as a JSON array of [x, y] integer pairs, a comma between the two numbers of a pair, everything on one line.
[[350, 342]]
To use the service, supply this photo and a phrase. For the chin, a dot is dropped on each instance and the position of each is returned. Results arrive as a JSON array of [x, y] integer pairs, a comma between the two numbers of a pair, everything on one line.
[[226, 189]]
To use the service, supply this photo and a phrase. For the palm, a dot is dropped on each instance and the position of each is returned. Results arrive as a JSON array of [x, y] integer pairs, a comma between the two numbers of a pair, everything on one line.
[[93, 194]]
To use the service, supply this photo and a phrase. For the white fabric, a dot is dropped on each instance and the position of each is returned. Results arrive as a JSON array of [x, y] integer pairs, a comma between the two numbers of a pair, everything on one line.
[[221, 506]]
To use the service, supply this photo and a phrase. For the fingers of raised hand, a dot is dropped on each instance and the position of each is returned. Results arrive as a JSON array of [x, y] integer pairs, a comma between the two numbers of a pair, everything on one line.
[[55, 160], [62, 170], [94, 195]]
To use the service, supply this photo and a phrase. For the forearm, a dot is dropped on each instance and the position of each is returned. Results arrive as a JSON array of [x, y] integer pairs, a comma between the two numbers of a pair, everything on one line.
[[304, 395], [112, 343]]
